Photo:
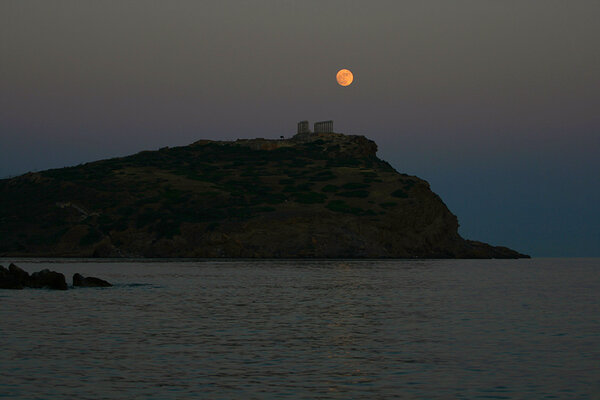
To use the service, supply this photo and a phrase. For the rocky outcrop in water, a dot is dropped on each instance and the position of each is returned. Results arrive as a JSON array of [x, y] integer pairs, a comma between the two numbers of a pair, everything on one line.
[[90, 281], [16, 278], [48, 279], [20, 276], [8, 280]]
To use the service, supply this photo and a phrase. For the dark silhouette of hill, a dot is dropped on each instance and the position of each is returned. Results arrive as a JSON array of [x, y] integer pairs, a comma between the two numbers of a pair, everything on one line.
[[314, 195]]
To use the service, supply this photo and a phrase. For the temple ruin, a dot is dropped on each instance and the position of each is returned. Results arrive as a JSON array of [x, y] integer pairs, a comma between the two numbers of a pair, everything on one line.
[[324, 127], [303, 127], [319, 127]]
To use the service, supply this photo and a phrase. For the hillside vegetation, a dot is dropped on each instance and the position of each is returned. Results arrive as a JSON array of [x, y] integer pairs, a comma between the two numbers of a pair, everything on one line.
[[315, 195]]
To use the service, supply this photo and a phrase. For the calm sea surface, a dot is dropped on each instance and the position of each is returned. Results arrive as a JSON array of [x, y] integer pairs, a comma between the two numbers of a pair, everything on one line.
[[492, 329]]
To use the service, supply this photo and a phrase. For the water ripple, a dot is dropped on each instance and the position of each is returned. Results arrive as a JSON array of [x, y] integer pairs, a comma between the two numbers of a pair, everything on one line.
[[307, 329]]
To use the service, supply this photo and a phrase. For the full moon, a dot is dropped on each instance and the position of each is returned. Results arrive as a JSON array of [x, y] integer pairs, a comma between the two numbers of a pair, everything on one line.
[[344, 77]]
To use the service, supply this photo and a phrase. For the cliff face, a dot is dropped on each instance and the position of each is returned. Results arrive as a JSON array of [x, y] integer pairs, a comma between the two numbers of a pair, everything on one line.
[[314, 195]]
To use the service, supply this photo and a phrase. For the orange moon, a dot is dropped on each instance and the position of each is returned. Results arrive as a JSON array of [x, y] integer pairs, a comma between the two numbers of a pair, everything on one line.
[[344, 77]]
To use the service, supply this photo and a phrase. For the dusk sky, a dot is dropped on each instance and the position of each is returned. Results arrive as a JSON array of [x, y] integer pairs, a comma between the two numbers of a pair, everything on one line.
[[495, 103]]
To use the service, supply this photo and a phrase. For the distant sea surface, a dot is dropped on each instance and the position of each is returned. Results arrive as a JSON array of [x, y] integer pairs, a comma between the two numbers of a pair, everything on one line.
[[333, 329]]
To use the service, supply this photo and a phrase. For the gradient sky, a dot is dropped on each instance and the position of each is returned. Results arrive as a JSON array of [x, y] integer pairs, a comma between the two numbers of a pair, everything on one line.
[[495, 103]]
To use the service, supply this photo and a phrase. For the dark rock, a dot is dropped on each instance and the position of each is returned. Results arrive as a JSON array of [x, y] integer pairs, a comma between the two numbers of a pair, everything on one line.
[[21, 276], [77, 280], [16, 278], [48, 279], [90, 281], [8, 280]]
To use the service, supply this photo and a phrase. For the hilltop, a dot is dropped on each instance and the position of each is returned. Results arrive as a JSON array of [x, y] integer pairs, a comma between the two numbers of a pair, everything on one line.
[[314, 195]]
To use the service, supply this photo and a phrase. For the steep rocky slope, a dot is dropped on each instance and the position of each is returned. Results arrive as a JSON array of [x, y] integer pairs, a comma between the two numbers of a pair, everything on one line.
[[315, 195]]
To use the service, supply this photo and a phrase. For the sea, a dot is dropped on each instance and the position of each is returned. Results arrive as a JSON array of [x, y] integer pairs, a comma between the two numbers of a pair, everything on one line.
[[306, 329]]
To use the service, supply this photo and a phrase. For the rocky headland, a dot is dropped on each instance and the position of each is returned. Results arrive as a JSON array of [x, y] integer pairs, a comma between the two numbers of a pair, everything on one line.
[[311, 196]]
